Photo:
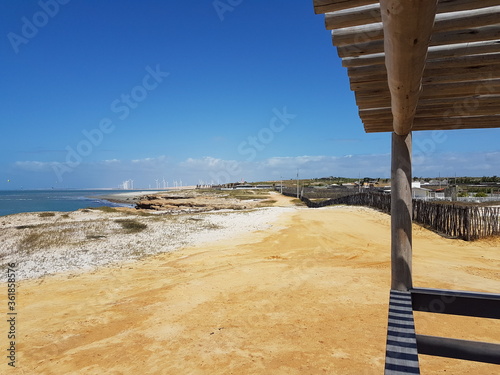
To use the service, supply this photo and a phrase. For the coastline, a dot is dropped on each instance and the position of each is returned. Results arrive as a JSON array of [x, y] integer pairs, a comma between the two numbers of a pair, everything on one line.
[[54, 242], [133, 197], [307, 293], [125, 197]]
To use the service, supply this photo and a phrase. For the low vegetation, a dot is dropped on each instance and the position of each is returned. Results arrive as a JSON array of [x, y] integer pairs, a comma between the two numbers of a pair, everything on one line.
[[298, 202], [44, 239], [46, 214], [131, 225], [106, 209]]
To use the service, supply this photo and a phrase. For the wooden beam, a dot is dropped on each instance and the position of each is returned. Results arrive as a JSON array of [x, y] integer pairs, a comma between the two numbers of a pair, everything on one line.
[[401, 213], [407, 32], [454, 302], [460, 349], [324, 6]]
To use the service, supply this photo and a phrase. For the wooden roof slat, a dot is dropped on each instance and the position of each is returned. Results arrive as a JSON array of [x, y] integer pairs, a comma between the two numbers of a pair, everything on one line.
[[369, 14], [443, 23], [380, 98], [434, 52], [464, 61], [460, 89], [444, 123], [324, 6], [482, 64], [452, 82], [450, 103], [465, 49], [480, 34], [461, 122], [431, 126], [471, 18], [353, 17], [460, 5], [375, 59], [468, 35], [479, 109], [464, 100], [481, 74], [477, 74], [352, 35]]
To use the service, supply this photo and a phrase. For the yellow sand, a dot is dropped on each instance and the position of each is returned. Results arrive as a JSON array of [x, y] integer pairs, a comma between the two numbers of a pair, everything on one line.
[[308, 296]]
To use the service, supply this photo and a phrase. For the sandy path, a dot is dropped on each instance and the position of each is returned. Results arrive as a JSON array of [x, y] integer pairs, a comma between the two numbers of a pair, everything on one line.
[[307, 296], [281, 200]]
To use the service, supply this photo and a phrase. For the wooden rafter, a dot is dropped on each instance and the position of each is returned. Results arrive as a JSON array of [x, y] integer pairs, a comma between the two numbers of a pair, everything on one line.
[[462, 61]]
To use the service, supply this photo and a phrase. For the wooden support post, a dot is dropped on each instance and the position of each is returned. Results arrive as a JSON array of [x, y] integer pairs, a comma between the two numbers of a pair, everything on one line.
[[401, 213]]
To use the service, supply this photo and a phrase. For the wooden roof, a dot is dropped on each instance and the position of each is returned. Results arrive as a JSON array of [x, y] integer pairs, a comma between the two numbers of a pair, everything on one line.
[[457, 45]]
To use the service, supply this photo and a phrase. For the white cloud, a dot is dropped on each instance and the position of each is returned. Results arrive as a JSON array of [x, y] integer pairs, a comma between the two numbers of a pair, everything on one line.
[[144, 172], [35, 166]]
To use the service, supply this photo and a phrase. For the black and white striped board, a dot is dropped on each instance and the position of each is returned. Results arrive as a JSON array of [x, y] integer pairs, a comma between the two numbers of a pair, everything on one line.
[[401, 351]]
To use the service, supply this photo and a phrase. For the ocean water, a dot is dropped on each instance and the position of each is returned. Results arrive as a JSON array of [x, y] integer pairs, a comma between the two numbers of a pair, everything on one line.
[[16, 201]]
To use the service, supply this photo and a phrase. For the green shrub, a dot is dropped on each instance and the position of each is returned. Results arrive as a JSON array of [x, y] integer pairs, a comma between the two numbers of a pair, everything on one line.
[[131, 226], [46, 214]]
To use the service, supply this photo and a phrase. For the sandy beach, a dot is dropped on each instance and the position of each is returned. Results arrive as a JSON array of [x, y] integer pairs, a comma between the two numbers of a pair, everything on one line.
[[277, 290]]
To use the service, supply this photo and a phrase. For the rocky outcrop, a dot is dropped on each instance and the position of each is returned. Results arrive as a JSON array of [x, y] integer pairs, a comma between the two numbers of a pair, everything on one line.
[[192, 202]]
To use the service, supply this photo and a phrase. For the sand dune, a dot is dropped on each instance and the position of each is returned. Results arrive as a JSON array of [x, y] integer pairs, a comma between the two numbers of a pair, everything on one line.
[[306, 295]]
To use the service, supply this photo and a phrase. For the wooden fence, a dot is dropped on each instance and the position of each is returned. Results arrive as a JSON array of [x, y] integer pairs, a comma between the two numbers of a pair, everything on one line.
[[312, 193], [466, 222]]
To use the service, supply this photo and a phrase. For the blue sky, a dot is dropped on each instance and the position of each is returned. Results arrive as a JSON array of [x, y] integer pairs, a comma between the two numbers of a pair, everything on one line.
[[95, 93]]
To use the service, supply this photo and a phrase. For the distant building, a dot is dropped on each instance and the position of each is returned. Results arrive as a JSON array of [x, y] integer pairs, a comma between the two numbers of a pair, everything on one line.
[[418, 192], [438, 182], [244, 187]]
